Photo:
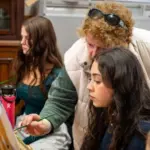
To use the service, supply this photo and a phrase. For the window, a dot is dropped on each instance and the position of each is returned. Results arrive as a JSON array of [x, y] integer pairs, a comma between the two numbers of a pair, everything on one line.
[[4, 19], [11, 17]]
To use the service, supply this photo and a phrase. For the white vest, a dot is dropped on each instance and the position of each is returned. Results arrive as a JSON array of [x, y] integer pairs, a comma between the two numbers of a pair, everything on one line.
[[77, 65]]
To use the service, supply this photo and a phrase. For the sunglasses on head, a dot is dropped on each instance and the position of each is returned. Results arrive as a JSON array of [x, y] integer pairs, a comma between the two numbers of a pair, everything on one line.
[[111, 19]]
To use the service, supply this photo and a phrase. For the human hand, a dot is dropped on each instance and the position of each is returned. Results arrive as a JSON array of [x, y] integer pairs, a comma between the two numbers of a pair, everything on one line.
[[34, 126], [148, 142]]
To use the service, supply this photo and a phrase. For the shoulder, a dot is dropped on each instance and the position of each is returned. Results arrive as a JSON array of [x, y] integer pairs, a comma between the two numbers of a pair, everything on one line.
[[75, 52], [140, 41], [140, 47], [52, 75], [76, 47], [77, 56], [137, 141], [56, 70], [141, 34]]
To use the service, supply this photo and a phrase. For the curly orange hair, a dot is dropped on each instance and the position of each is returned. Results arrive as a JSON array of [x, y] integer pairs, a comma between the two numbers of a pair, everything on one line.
[[109, 35]]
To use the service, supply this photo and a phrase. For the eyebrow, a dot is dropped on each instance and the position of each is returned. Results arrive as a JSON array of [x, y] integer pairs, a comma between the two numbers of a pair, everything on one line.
[[96, 74], [24, 35]]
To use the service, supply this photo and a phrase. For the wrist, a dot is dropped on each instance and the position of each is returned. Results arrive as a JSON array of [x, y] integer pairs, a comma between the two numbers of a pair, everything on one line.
[[48, 126]]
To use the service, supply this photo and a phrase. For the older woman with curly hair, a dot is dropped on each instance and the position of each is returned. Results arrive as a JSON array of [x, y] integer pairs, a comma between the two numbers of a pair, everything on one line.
[[106, 25]]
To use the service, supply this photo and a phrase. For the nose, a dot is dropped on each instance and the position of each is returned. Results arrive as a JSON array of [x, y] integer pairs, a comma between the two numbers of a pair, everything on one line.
[[95, 51], [23, 41], [90, 86]]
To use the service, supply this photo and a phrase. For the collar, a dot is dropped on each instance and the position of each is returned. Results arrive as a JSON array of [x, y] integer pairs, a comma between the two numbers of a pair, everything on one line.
[[83, 58]]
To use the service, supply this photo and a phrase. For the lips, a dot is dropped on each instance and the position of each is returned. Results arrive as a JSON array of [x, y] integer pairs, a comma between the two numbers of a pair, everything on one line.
[[24, 48], [91, 97]]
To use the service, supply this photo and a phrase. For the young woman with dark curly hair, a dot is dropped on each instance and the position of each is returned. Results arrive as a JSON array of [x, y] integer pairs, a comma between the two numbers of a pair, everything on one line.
[[119, 110]]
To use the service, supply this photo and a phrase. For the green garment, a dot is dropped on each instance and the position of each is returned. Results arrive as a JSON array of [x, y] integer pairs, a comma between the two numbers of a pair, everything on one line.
[[61, 102], [34, 98]]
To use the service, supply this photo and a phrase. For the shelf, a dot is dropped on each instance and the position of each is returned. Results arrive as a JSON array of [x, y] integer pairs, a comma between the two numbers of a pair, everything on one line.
[[9, 43]]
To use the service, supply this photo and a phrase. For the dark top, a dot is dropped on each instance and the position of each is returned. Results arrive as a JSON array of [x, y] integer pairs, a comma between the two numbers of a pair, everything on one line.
[[136, 143], [33, 97]]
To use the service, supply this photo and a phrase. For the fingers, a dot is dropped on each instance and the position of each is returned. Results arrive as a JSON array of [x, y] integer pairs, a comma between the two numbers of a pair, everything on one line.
[[29, 121], [34, 126], [29, 118], [39, 128], [19, 124]]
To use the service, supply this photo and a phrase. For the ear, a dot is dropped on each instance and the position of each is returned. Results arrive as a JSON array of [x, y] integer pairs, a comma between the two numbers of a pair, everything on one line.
[[148, 142]]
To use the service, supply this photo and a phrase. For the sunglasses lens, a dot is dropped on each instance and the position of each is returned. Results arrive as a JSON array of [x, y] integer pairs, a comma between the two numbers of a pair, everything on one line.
[[95, 13], [112, 19]]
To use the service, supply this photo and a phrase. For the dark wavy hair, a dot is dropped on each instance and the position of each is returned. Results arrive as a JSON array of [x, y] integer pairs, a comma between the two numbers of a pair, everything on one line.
[[43, 48], [130, 104]]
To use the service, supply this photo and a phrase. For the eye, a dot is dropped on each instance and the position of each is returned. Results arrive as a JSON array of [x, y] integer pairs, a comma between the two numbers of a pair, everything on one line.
[[26, 37], [91, 45], [97, 82], [89, 79]]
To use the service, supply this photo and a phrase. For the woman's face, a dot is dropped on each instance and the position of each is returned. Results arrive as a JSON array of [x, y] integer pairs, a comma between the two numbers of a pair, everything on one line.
[[25, 40], [100, 94], [93, 45]]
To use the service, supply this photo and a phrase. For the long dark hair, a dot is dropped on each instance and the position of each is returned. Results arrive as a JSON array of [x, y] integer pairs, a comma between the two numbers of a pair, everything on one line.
[[43, 48], [130, 104]]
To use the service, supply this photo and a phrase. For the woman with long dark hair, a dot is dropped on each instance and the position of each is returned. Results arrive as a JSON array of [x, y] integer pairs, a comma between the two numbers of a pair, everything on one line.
[[119, 110], [37, 64]]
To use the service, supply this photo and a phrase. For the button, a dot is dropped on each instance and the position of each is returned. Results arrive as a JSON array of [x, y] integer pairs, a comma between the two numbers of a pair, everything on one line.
[[85, 63]]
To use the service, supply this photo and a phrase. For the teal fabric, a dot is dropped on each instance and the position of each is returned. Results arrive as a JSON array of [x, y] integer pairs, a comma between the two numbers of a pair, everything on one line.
[[33, 96]]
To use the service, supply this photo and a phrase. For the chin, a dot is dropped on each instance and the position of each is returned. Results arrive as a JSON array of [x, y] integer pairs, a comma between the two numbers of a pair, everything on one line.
[[98, 105], [25, 52], [91, 57]]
